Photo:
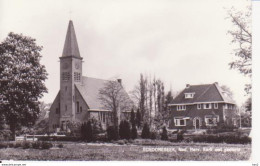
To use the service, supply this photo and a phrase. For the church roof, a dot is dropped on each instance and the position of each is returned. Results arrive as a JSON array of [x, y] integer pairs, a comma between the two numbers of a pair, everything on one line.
[[89, 90], [71, 46]]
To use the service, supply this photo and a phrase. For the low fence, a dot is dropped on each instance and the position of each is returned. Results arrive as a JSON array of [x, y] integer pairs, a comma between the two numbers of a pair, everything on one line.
[[33, 137]]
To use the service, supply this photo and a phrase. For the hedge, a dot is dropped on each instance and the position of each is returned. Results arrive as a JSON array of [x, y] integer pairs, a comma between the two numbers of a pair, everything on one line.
[[230, 139], [65, 138]]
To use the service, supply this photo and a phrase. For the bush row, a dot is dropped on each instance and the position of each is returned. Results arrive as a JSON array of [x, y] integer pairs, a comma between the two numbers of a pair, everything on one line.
[[27, 145], [55, 138], [230, 139]]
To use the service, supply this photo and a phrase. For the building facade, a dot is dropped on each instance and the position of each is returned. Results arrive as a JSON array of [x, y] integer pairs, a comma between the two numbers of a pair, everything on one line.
[[78, 97], [202, 106]]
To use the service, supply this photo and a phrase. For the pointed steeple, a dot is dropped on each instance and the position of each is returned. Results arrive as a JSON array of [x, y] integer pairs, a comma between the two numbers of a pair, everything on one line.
[[71, 45]]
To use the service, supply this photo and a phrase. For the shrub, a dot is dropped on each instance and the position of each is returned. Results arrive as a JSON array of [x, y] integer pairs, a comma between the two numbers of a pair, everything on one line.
[[124, 130], [145, 132], [133, 131], [46, 145], [153, 135], [60, 146], [230, 139], [112, 134], [5, 135], [96, 127], [36, 145], [11, 145], [221, 128], [164, 135], [180, 136], [88, 132], [26, 145], [17, 145], [55, 138], [3, 145], [101, 137]]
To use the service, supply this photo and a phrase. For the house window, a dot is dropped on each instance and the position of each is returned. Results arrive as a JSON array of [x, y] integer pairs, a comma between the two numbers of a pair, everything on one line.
[[189, 95], [65, 76], [181, 107], [215, 105], [180, 121], [207, 106], [198, 106], [211, 120], [77, 107]]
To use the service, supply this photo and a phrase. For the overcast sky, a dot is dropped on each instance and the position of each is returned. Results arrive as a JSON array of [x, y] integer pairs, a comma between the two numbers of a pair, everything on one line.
[[179, 41]]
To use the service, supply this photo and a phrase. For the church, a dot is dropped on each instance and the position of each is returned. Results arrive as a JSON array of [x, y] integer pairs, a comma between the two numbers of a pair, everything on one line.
[[78, 97]]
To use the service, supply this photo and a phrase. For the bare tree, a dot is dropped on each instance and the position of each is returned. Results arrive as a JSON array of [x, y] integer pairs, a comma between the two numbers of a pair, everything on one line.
[[228, 90], [242, 37], [114, 98]]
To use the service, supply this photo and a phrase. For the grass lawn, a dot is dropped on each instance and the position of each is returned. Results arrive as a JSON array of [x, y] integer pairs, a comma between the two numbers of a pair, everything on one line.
[[87, 151]]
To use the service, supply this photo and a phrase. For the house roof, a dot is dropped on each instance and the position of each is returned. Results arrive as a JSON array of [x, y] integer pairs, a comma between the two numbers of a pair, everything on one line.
[[203, 93], [71, 45], [89, 90]]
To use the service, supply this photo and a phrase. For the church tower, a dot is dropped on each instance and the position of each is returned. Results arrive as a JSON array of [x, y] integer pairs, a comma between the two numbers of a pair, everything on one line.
[[70, 75]]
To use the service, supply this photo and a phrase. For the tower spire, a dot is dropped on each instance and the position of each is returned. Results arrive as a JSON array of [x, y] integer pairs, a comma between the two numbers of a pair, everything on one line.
[[71, 45]]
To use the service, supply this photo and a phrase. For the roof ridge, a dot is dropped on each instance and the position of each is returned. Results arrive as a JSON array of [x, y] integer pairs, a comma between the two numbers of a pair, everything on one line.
[[98, 78]]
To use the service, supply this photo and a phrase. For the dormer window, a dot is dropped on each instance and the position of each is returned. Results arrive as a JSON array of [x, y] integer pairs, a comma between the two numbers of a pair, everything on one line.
[[189, 95]]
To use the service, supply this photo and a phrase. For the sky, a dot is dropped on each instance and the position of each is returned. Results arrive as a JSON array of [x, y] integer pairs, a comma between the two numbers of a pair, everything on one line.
[[180, 42]]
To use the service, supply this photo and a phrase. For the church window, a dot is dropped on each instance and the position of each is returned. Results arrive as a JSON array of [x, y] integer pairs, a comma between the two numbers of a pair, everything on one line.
[[65, 107], [65, 76], [57, 110], [76, 76], [65, 88], [80, 109], [77, 107]]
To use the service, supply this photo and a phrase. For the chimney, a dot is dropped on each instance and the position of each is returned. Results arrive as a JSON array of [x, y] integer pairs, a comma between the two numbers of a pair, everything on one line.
[[119, 81], [187, 86], [216, 83]]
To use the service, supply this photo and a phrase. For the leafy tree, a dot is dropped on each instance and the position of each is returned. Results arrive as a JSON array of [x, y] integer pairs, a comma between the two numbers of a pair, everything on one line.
[[138, 118], [146, 132], [242, 37], [114, 98], [164, 135], [133, 131], [21, 80]]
